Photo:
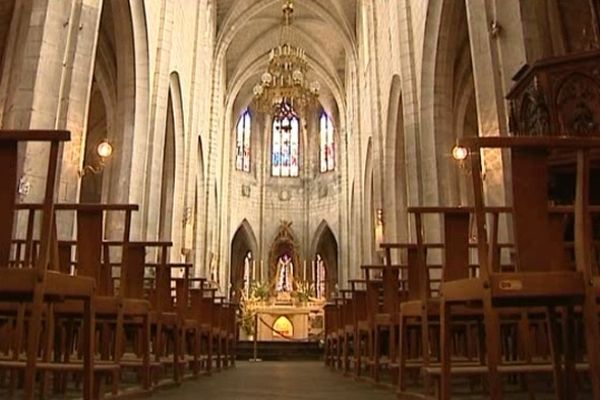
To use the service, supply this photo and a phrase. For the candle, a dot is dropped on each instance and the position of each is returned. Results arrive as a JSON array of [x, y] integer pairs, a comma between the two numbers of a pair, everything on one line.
[[304, 273]]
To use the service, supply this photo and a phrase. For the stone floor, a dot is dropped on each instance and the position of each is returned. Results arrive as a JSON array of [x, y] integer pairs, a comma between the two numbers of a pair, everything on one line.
[[276, 381]]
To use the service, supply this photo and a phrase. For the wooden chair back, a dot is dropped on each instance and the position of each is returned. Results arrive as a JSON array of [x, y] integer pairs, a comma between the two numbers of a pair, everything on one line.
[[359, 298], [9, 163], [538, 235], [133, 266], [92, 251]]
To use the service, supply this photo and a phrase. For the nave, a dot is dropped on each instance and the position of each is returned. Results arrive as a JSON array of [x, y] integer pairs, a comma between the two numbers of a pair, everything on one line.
[[300, 380]]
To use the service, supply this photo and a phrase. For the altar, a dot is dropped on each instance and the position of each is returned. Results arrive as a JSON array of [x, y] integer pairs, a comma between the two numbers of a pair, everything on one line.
[[289, 322], [289, 304]]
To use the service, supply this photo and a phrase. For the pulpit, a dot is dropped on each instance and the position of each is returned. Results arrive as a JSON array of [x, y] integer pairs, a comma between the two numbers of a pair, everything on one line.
[[557, 96]]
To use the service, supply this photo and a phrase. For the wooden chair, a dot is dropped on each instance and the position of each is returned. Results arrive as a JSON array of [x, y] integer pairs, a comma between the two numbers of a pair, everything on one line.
[[541, 278], [166, 321], [330, 309], [332, 327], [423, 308], [202, 300], [90, 256], [37, 283], [383, 298]]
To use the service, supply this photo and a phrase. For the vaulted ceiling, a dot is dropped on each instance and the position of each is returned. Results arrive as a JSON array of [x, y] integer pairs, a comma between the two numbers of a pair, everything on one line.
[[248, 29]]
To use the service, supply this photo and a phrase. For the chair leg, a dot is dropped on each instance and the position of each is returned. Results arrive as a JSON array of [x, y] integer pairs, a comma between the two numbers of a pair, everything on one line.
[[402, 349], [492, 341], [33, 338], [446, 353], [357, 353], [554, 352], [376, 354], [89, 322], [569, 344], [592, 338], [146, 373], [393, 351], [524, 329]]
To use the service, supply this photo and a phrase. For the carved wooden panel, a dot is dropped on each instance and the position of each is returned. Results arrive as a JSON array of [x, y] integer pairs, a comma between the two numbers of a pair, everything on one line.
[[557, 97]]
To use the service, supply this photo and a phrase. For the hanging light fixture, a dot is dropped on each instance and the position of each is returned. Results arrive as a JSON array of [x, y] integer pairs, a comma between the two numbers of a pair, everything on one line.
[[285, 81]]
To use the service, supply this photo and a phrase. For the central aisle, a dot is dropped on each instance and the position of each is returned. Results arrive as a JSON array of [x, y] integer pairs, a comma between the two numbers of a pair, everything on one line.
[[276, 381]]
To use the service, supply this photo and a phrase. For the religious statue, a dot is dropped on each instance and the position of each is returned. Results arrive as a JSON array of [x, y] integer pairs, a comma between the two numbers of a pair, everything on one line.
[[247, 273], [214, 269], [285, 274], [321, 280]]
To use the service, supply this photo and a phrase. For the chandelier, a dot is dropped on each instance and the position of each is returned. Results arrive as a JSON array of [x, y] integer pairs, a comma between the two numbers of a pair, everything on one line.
[[285, 81]]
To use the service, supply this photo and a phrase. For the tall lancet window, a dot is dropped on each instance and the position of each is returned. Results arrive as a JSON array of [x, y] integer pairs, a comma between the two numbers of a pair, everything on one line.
[[243, 129], [286, 133], [327, 145]]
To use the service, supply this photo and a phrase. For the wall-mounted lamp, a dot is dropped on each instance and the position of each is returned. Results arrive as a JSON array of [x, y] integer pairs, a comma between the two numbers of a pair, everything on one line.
[[459, 153], [24, 187], [378, 228], [104, 151]]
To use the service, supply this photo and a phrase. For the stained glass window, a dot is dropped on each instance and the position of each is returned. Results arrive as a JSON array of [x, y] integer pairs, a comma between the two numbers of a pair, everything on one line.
[[286, 134], [243, 129], [327, 145]]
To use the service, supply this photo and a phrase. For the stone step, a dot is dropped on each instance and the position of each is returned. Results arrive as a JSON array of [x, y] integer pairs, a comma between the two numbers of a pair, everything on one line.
[[281, 351]]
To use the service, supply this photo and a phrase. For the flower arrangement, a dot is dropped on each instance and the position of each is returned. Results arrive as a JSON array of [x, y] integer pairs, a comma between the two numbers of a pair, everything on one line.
[[249, 302], [304, 291]]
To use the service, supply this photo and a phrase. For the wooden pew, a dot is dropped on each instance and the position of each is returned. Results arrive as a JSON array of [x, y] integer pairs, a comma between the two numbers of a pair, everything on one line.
[[36, 284]]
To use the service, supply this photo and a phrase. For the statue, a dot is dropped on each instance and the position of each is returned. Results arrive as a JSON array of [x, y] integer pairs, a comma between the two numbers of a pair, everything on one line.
[[247, 273], [285, 274], [214, 270], [321, 279]]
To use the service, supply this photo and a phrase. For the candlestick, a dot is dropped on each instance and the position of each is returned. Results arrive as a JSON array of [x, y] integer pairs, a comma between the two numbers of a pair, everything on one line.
[[304, 273]]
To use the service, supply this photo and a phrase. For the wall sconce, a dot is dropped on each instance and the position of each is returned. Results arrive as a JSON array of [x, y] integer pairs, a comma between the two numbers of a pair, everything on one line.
[[495, 28], [378, 227], [24, 187], [459, 153], [104, 151]]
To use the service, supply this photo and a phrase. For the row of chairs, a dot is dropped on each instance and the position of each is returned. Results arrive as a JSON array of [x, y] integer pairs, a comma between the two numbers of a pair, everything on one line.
[[462, 309], [92, 315]]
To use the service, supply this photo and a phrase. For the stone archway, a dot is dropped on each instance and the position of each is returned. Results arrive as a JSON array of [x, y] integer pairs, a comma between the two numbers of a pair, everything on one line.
[[167, 192], [325, 248], [395, 215], [242, 243]]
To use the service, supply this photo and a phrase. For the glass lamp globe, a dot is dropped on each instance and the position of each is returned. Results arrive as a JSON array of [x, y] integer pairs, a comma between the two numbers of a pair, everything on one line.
[[104, 149], [315, 87], [297, 75], [459, 153], [266, 78]]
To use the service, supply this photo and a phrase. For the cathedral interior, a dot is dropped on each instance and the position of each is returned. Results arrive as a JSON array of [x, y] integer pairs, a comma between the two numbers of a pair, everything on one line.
[[300, 199]]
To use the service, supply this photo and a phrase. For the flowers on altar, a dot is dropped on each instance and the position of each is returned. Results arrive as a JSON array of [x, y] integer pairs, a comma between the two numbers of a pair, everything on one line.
[[304, 291], [257, 295]]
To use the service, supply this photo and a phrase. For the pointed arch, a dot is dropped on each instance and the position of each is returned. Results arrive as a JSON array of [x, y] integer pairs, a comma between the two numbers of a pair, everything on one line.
[[243, 243], [395, 199], [447, 85], [368, 215], [325, 249]]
